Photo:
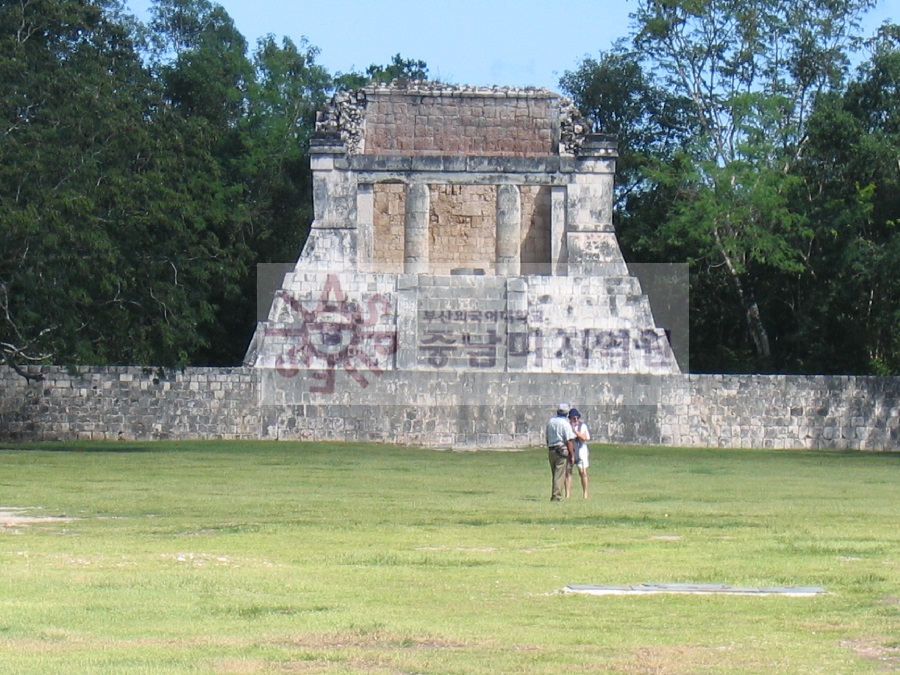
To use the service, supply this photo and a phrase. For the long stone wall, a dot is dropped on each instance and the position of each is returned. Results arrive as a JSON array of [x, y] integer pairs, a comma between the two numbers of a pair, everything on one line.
[[129, 403], [465, 410]]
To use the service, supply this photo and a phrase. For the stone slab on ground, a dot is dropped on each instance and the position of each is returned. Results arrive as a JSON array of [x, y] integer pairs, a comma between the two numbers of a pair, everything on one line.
[[696, 589]]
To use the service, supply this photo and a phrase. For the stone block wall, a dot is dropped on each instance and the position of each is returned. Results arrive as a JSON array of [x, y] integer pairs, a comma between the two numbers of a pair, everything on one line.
[[388, 228], [451, 409], [535, 251], [770, 411], [455, 122], [357, 322], [462, 324], [326, 322], [462, 228], [124, 403]]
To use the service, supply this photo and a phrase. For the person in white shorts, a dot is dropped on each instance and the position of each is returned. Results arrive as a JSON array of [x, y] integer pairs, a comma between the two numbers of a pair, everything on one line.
[[582, 453]]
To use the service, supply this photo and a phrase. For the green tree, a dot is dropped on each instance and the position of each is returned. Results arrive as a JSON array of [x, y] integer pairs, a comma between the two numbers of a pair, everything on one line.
[[653, 129], [751, 72], [620, 98], [290, 87], [201, 62], [850, 298], [201, 59], [115, 233], [712, 102], [398, 69], [73, 97], [272, 170], [255, 117]]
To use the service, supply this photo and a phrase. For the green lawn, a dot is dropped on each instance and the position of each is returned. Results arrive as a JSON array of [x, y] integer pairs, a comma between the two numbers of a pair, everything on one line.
[[231, 557]]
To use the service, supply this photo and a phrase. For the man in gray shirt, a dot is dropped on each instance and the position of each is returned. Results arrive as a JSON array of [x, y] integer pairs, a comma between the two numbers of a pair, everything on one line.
[[560, 448]]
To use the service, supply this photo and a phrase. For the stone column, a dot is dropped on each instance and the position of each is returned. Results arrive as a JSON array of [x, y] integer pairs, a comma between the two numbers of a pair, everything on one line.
[[334, 185], [593, 249], [332, 239], [559, 254], [416, 240], [365, 226], [509, 230]]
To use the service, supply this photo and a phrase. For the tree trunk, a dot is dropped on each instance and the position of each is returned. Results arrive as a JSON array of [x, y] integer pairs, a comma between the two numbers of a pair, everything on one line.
[[755, 326], [748, 302]]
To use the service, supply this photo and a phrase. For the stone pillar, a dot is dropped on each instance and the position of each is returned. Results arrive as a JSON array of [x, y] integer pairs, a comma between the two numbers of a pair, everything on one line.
[[559, 254], [591, 190], [509, 230], [591, 242], [365, 225], [415, 240], [332, 239], [334, 185]]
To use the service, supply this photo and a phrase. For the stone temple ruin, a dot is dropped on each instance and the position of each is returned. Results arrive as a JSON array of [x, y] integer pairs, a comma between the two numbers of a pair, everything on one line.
[[461, 278], [457, 230]]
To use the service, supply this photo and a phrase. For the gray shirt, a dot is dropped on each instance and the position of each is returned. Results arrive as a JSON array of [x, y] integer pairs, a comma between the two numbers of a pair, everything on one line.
[[559, 431]]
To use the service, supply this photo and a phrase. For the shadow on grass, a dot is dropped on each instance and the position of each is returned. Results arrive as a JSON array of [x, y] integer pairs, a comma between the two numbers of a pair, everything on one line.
[[77, 448]]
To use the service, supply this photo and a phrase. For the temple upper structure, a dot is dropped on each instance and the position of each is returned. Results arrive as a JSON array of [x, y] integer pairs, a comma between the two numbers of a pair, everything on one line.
[[458, 228]]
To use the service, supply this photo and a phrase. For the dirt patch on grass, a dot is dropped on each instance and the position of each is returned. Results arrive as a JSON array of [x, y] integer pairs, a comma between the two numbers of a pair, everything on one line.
[[682, 660], [376, 639], [366, 650], [18, 517], [464, 549], [874, 649]]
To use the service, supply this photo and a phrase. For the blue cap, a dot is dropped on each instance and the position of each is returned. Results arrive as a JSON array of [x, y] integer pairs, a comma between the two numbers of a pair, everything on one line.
[[573, 412]]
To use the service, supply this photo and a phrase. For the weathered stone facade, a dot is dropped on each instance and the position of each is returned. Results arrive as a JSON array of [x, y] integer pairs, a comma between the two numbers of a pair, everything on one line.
[[439, 120], [730, 411], [458, 229], [462, 232]]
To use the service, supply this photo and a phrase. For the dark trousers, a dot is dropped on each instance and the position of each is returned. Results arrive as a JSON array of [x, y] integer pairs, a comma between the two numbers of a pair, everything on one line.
[[558, 469]]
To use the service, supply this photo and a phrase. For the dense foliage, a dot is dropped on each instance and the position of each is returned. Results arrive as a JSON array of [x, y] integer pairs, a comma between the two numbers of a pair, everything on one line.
[[752, 151], [145, 170]]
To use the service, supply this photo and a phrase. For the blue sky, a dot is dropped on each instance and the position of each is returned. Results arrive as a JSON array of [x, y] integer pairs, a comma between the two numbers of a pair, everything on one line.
[[477, 42]]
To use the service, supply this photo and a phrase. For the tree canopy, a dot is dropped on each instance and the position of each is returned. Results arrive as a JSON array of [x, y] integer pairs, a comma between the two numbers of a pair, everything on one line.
[[746, 154], [146, 170]]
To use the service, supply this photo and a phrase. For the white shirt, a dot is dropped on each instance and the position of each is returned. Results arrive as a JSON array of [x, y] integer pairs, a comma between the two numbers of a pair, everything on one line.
[[581, 445], [581, 449]]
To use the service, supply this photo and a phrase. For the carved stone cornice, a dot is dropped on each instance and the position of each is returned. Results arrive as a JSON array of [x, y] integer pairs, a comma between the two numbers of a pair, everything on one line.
[[344, 117], [573, 127]]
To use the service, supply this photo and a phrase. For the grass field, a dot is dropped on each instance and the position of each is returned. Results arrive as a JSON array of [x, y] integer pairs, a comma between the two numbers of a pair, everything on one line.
[[228, 557]]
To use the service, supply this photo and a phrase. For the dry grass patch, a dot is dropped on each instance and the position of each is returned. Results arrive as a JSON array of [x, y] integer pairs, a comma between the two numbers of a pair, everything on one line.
[[885, 652], [11, 517]]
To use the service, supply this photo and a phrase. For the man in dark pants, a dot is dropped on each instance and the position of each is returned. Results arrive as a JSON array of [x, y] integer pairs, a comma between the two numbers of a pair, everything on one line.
[[560, 447]]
